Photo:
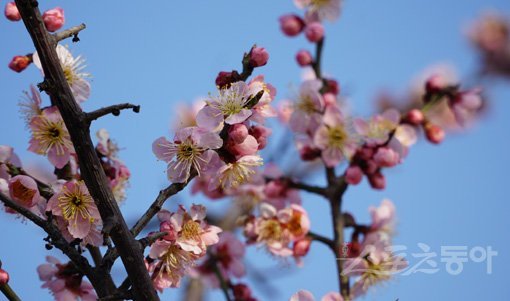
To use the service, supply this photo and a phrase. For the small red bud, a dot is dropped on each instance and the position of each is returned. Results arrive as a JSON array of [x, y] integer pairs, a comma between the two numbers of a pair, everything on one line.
[[258, 57], [19, 63], [291, 25], [54, 19], [377, 181], [11, 12], [415, 117], [304, 58], [434, 133], [314, 32], [4, 277]]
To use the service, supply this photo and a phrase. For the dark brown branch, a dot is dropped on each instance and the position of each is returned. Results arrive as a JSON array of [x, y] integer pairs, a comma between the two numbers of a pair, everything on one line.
[[71, 32], [56, 86], [158, 204], [305, 187], [9, 293], [57, 239], [95, 253], [317, 237], [114, 110]]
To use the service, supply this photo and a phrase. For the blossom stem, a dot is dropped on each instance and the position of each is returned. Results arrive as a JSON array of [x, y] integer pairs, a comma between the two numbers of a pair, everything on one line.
[[223, 284], [316, 65], [317, 237], [9, 293]]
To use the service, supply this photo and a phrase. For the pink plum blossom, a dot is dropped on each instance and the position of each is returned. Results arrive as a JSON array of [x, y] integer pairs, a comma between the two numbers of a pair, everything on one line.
[[308, 107], [386, 157], [334, 139], [63, 283], [73, 70], [192, 148], [263, 108], [466, 105], [76, 206], [321, 9], [30, 105], [50, 137], [383, 217], [228, 106], [231, 175], [377, 130], [7, 157]]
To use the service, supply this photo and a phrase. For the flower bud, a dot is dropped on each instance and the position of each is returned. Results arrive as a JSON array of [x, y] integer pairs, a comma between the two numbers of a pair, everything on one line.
[[238, 132], [248, 147], [435, 83], [415, 117], [301, 247], [11, 12], [291, 25], [434, 133], [386, 157], [332, 86], [225, 78], [370, 167], [353, 175], [24, 191], [304, 58], [53, 19], [241, 291], [4, 277], [309, 153], [314, 32], [20, 63], [168, 228], [260, 133], [258, 57], [377, 181]]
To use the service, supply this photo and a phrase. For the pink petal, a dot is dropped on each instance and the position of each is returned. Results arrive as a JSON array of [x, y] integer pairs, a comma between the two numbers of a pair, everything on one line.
[[302, 296], [210, 118]]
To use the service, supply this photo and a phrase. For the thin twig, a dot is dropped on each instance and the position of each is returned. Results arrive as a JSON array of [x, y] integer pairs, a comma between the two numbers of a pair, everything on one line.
[[113, 109], [9, 293], [71, 32], [305, 187], [317, 237]]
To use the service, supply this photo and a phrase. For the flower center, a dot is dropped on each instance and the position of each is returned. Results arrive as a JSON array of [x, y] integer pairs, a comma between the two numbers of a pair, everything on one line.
[[319, 3], [294, 225], [306, 105], [74, 203], [337, 136], [271, 230], [232, 105], [186, 151], [237, 173], [69, 74], [191, 230]]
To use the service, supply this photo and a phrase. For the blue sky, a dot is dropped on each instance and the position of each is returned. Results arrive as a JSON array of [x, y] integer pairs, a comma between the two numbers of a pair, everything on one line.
[[160, 53]]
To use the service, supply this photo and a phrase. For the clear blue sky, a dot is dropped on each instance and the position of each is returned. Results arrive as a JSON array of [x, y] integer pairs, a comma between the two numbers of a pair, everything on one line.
[[160, 53]]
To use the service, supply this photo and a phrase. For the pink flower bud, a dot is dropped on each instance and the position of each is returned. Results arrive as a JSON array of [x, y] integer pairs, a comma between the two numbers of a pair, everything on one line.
[[309, 153], [377, 181], [4, 277], [168, 228], [258, 56], [365, 153], [314, 32], [301, 247], [11, 12], [53, 19], [24, 191], [260, 133], [386, 157], [370, 167], [291, 25], [241, 291], [225, 78], [275, 189], [353, 175], [434, 133], [304, 58], [238, 132], [332, 86], [435, 83], [415, 117], [248, 147], [19, 63]]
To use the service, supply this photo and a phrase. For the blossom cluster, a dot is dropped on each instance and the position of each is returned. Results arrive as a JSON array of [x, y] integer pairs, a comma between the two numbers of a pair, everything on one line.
[[188, 236]]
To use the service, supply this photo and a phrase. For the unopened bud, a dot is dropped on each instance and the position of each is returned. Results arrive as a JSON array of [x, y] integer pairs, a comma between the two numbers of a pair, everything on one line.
[[11, 12], [434, 133], [304, 58], [258, 56], [377, 181], [415, 117], [19, 63], [314, 32], [4, 277], [291, 25], [54, 19], [353, 175]]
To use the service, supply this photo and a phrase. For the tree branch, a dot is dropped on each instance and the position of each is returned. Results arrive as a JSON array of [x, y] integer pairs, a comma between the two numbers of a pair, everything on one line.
[[317, 237], [9, 293], [113, 109], [71, 32], [91, 170]]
